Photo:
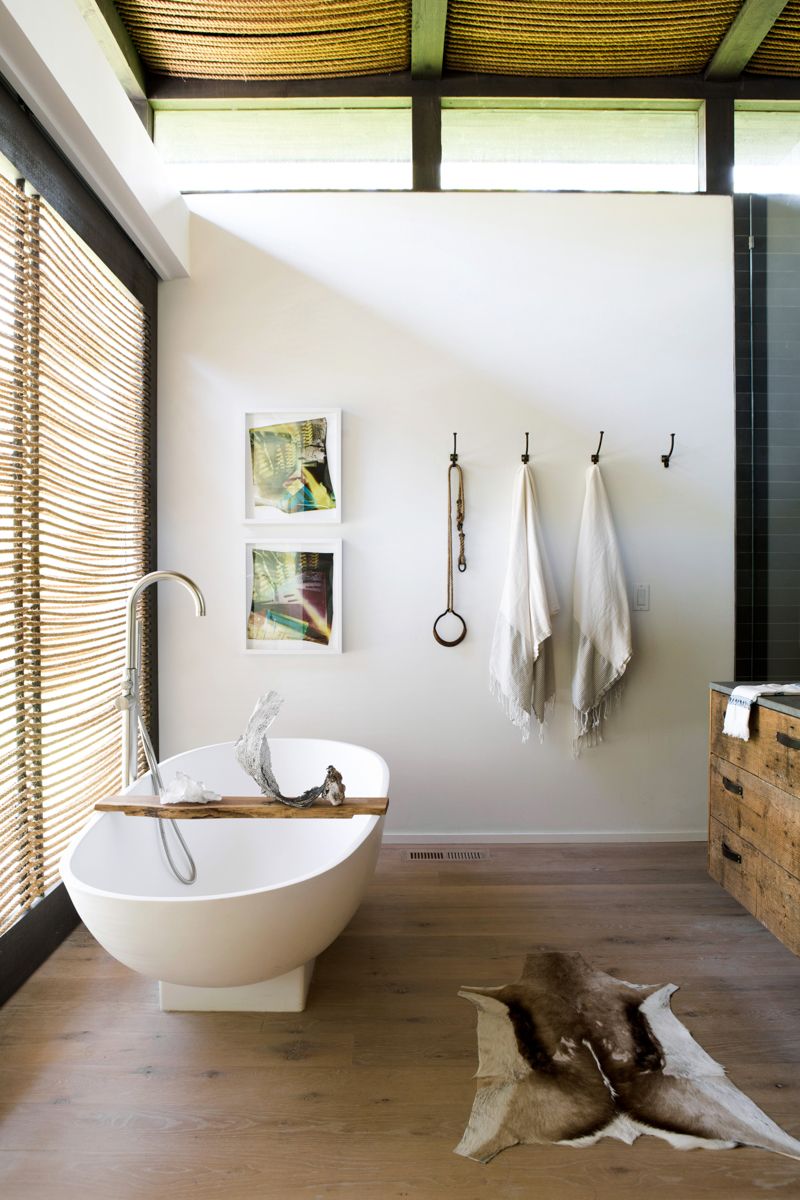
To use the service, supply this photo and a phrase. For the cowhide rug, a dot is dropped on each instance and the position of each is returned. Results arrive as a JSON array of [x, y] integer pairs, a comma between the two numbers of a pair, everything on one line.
[[570, 1055]]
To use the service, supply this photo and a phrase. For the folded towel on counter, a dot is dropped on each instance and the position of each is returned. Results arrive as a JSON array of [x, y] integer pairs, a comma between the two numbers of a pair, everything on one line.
[[521, 673], [742, 699], [600, 606]]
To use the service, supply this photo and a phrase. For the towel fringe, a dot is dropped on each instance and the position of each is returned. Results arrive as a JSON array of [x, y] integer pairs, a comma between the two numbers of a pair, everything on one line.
[[516, 714], [589, 723], [549, 709]]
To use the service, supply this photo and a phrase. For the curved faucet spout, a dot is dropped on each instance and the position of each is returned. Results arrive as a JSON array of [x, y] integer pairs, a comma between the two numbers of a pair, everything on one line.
[[131, 646], [128, 701]]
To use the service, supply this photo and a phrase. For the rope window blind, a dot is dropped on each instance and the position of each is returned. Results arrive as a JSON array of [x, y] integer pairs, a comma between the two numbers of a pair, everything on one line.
[[74, 533]]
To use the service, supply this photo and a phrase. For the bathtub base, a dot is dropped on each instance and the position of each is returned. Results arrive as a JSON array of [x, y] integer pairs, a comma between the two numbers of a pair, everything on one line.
[[286, 993]]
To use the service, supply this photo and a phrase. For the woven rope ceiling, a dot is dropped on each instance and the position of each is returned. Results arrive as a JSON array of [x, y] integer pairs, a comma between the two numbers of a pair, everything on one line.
[[270, 39], [779, 53], [589, 37], [307, 39]]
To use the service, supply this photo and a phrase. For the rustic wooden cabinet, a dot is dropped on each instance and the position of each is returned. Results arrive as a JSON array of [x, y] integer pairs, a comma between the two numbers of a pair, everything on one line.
[[754, 811]]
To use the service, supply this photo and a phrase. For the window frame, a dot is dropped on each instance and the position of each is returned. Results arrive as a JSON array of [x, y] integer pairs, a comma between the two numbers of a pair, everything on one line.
[[23, 141], [558, 105]]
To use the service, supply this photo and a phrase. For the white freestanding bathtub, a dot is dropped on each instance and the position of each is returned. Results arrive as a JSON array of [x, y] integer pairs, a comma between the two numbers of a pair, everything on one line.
[[269, 895]]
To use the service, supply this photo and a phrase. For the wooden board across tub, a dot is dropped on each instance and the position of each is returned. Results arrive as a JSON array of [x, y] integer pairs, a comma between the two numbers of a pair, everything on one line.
[[240, 806]]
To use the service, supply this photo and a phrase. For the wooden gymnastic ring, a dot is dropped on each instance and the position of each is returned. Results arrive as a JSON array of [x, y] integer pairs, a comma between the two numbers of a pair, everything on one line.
[[461, 636]]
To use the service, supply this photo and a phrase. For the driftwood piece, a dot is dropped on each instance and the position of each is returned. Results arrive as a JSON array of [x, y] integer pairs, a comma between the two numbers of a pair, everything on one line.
[[240, 806]]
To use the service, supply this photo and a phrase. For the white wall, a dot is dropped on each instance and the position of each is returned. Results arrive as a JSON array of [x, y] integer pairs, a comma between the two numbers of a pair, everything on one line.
[[492, 315]]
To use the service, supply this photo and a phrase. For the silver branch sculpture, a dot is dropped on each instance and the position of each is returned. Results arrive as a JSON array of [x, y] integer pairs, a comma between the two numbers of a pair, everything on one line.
[[253, 756]]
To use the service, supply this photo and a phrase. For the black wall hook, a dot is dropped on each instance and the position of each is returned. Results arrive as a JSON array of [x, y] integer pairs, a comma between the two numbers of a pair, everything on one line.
[[666, 457], [596, 455], [454, 455], [526, 456]]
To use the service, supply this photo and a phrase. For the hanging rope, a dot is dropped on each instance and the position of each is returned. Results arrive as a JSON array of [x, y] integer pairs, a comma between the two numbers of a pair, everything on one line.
[[462, 561]]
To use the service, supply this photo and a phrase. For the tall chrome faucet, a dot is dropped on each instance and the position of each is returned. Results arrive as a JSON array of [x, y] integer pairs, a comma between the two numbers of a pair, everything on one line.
[[128, 700]]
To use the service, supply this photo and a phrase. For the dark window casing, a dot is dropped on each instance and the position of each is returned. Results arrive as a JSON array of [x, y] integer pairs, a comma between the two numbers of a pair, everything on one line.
[[25, 144]]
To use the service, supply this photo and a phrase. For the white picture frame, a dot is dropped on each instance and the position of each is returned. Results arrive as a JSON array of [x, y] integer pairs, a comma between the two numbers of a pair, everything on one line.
[[282, 611], [259, 512]]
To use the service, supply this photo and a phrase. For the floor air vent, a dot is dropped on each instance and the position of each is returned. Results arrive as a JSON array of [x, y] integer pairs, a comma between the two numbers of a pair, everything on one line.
[[446, 855]]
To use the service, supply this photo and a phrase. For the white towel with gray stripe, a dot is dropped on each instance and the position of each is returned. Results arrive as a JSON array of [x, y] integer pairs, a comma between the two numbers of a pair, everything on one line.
[[602, 615], [741, 701], [521, 672]]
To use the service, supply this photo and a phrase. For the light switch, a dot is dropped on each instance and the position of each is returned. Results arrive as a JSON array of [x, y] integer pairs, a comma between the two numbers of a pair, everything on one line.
[[641, 597]]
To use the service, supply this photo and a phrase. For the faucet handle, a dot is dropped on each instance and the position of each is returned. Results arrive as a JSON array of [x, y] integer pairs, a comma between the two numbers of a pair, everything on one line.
[[126, 697]]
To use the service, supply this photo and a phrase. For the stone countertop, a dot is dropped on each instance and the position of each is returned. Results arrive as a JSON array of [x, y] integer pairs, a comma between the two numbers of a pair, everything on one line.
[[790, 705]]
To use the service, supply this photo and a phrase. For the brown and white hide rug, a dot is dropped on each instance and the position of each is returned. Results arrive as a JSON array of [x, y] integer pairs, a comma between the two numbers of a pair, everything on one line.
[[571, 1055]]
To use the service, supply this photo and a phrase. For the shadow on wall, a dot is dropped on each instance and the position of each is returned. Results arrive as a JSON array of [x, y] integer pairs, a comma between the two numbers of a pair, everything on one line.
[[416, 327]]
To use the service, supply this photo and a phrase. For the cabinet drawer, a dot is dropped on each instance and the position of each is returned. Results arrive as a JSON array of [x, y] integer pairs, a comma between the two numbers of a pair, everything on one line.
[[768, 891], [773, 751], [733, 863], [763, 815]]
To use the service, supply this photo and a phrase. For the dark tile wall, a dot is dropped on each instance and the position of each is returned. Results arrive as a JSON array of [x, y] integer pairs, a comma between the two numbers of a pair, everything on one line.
[[767, 265]]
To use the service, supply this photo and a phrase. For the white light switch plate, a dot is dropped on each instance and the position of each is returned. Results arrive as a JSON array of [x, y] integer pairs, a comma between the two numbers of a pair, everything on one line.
[[641, 597]]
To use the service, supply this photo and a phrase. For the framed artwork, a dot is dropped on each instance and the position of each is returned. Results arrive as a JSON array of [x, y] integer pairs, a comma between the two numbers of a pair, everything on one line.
[[293, 597], [293, 469]]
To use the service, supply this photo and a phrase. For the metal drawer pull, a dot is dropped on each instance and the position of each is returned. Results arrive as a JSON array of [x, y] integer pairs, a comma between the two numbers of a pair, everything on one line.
[[789, 742], [730, 786], [731, 854]]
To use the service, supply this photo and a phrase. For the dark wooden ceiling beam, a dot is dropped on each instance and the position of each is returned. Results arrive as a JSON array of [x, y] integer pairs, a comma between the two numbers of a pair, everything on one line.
[[428, 25], [426, 143], [455, 84], [750, 26], [717, 146]]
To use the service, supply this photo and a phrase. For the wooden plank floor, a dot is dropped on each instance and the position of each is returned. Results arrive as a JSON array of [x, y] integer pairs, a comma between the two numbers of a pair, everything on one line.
[[364, 1095]]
